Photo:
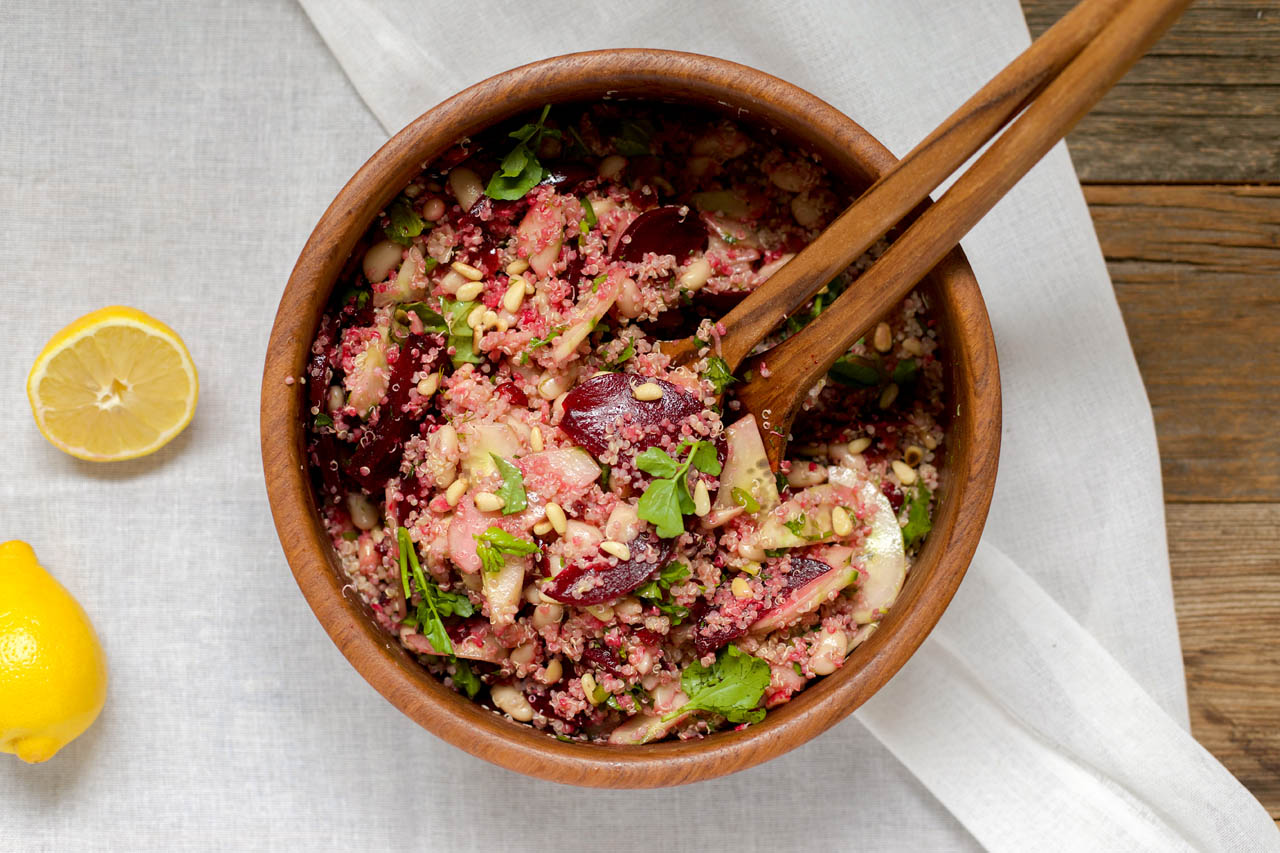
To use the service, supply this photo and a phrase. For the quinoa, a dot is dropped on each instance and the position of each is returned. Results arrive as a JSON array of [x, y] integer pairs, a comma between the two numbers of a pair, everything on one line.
[[543, 509]]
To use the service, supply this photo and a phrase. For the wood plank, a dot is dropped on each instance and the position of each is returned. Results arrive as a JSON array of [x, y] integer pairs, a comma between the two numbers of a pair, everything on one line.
[[1226, 583], [1202, 107], [1197, 274]]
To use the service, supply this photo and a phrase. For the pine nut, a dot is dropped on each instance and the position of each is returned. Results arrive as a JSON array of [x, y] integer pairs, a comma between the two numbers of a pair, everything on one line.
[[741, 588], [447, 437], [888, 395], [429, 385], [535, 439], [913, 455], [542, 528], [456, 491], [930, 442], [512, 702], [841, 524], [466, 271], [701, 500], [489, 502], [553, 386], [882, 340], [476, 318], [555, 515], [752, 552], [617, 549], [905, 472], [648, 391], [517, 266], [490, 318], [335, 399], [912, 346], [553, 672], [514, 297], [859, 444], [469, 291]]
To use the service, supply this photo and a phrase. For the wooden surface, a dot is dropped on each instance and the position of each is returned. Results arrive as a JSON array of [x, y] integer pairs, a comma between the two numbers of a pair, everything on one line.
[[1181, 164]]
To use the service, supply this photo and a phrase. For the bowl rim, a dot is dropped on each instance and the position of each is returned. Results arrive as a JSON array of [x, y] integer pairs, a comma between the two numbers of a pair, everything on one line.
[[649, 75]]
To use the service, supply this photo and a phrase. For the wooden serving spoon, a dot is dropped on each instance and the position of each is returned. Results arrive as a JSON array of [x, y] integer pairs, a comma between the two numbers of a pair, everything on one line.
[[1054, 83]]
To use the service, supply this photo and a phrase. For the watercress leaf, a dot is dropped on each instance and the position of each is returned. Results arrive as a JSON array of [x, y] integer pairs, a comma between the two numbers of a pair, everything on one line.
[[718, 374], [402, 539], [465, 678], [490, 560], [656, 461], [673, 573], [403, 223], [682, 494], [433, 629], [432, 321], [505, 543], [323, 420], [856, 371], [675, 613], [731, 687], [515, 162], [705, 459], [512, 489], [906, 371], [512, 188], [660, 506], [918, 521], [649, 590]]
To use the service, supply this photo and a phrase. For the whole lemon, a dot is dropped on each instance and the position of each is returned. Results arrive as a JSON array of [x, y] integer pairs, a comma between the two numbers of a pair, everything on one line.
[[53, 674]]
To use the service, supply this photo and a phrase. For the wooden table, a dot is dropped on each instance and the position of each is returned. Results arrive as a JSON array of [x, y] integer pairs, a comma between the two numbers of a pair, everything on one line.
[[1180, 165]]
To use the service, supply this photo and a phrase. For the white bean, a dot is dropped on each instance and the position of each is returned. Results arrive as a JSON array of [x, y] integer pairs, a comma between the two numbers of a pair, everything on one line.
[[523, 654], [433, 210], [380, 260], [612, 166], [466, 186], [695, 275], [363, 513], [553, 672], [512, 701], [829, 654], [805, 474]]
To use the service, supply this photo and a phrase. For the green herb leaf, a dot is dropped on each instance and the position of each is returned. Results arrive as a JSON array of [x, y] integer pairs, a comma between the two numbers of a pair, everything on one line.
[[605, 470], [660, 506], [428, 616], [656, 461], [634, 138], [857, 371], [744, 499], [649, 590], [705, 458], [588, 213], [461, 336], [718, 373], [432, 321], [350, 535], [796, 525], [672, 574], [731, 687], [323, 420], [625, 355], [906, 371], [465, 677], [512, 489], [495, 542], [403, 222], [918, 521], [675, 613], [520, 170], [535, 343]]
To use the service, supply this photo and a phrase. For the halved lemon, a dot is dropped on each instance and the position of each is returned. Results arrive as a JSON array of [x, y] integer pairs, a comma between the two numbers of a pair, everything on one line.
[[115, 384]]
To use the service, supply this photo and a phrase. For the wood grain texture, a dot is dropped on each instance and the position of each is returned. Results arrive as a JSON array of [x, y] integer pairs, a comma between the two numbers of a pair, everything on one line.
[[1197, 274], [1202, 107], [1226, 580]]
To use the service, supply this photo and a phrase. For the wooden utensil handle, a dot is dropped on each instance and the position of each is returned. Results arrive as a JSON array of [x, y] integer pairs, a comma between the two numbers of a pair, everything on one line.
[[908, 183], [800, 361]]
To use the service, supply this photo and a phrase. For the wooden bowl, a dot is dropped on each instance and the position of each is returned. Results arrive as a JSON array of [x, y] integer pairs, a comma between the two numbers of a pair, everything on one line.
[[967, 473]]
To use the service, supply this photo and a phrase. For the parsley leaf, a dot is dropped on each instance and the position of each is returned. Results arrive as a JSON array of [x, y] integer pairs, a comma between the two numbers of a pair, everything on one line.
[[857, 371], [535, 343], [403, 222], [718, 373], [432, 602], [495, 543], [731, 687], [655, 591], [918, 521], [512, 489], [667, 500], [520, 170]]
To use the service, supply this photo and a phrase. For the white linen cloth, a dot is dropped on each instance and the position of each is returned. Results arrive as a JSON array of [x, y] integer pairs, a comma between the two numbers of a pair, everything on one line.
[[174, 157]]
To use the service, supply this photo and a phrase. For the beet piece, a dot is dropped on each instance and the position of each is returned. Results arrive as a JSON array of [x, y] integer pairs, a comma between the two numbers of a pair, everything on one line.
[[596, 581], [803, 570], [324, 457], [511, 391], [893, 493], [670, 230], [380, 455], [318, 374], [593, 409], [604, 659]]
